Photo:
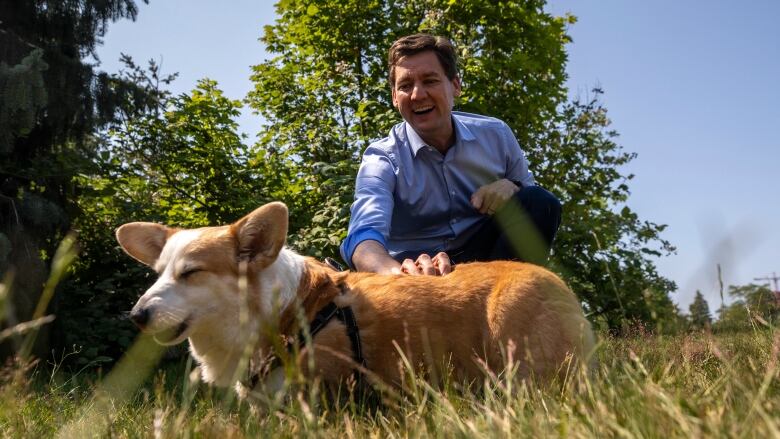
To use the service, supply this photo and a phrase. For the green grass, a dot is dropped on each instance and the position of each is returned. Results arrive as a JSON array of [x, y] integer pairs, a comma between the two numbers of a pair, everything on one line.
[[696, 385]]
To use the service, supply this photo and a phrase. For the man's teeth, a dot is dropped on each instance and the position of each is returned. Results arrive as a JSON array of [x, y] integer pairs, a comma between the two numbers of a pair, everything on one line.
[[423, 109]]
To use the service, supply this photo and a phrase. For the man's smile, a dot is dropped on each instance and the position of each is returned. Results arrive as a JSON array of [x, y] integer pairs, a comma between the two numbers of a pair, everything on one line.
[[423, 110]]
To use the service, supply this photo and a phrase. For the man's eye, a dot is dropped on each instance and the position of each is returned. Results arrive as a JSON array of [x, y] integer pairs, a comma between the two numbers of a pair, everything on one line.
[[403, 87]]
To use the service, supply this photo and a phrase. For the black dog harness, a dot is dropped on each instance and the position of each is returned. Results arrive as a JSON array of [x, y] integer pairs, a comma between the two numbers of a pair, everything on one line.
[[321, 319]]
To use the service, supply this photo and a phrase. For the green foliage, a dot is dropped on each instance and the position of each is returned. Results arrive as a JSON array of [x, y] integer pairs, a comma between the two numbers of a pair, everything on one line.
[[325, 97], [24, 95], [603, 249], [174, 159], [180, 159], [734, 317], [49, 111], [755, 306], [758, 299], [700, 312]]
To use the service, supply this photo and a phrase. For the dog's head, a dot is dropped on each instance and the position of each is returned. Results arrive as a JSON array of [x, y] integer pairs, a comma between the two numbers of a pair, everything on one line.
[[197, 288]]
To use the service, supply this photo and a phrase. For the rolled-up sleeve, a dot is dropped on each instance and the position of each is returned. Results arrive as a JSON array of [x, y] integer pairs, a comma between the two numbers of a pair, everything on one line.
[[371, 212], [517, 169]]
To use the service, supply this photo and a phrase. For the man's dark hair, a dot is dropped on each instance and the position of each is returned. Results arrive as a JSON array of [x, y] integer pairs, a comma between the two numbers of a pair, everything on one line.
[[417, 43]]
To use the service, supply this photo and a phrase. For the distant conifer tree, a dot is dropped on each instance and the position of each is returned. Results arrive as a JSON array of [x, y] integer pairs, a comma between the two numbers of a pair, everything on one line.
[[700, 312], [52, 101]]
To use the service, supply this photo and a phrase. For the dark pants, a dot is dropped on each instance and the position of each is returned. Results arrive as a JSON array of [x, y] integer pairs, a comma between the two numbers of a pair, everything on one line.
[[523, 229]]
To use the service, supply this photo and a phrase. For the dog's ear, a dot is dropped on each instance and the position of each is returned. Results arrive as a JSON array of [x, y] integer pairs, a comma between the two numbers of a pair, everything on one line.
[[143, 241], [262, 234]]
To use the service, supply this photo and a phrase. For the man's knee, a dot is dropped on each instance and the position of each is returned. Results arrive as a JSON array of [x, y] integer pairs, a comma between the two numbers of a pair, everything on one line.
[[537, 195], [543, 208], [538, 199]]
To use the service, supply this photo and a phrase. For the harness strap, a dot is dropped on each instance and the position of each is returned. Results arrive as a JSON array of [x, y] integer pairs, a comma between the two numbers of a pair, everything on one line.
[[321, 319], [348, 318], [353, 332]]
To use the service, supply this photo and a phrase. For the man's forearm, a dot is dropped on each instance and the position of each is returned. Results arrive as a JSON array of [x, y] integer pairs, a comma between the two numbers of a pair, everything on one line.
[[371, 256]]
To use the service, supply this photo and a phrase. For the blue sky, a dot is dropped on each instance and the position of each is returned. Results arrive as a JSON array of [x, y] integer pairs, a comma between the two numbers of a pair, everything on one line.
[[692, 87]]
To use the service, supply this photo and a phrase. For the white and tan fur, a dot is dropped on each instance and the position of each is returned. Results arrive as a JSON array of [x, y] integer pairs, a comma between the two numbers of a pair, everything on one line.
[[466, 318]]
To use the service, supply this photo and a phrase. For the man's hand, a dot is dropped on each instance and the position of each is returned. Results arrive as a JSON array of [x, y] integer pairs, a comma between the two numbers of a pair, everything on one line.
[[491, 197], [371, 256], [439, 265]]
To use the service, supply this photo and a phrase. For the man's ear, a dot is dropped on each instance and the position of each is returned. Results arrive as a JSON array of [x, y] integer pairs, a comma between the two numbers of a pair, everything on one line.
[[143, 241], [392, 93], [262, 234], [456, 86]]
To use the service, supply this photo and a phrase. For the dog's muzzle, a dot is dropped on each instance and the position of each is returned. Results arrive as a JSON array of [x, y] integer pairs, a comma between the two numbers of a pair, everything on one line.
[[140, 317]]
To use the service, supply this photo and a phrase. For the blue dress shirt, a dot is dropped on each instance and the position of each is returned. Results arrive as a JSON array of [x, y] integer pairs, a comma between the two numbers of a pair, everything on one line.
[[412, 199]]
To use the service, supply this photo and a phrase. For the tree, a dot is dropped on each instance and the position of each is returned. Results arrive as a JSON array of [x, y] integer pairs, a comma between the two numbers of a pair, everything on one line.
[[755, 305], [700, 312], [51, 101], [176, 160], [325, 97], [603, 249], [734, 317], [758, 299]]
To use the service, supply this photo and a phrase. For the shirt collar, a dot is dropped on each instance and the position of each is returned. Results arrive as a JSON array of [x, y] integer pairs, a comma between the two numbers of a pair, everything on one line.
[[416, 142]]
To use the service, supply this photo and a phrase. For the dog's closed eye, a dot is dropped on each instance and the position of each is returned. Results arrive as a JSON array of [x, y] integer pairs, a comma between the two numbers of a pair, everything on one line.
[[189, 271]]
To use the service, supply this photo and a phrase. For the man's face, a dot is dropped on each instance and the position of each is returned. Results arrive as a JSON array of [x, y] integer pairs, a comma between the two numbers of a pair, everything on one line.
[[424, 96]]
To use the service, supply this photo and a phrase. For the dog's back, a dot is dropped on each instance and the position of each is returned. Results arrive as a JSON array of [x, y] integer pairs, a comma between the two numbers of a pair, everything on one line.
[[489, 311]]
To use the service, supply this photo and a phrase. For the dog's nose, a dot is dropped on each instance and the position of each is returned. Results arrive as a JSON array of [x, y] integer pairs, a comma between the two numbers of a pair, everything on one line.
[[140, 317]]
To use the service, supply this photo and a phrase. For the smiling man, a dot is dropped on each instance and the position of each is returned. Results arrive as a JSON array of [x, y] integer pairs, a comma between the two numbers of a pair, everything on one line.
[[444, 187]]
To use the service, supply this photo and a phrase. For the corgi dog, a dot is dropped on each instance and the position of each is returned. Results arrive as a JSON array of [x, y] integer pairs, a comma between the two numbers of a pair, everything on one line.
[[219, 286]]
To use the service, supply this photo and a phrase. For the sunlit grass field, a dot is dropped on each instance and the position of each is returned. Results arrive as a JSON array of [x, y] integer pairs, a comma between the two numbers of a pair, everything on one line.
[[694, 385]]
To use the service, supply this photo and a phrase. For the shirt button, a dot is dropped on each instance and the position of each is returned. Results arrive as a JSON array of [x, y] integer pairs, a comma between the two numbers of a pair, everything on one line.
[[453, 221], [452, 192]]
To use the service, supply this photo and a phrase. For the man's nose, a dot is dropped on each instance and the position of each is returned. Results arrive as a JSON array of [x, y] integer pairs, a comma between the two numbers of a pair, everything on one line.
[[418, 92]]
